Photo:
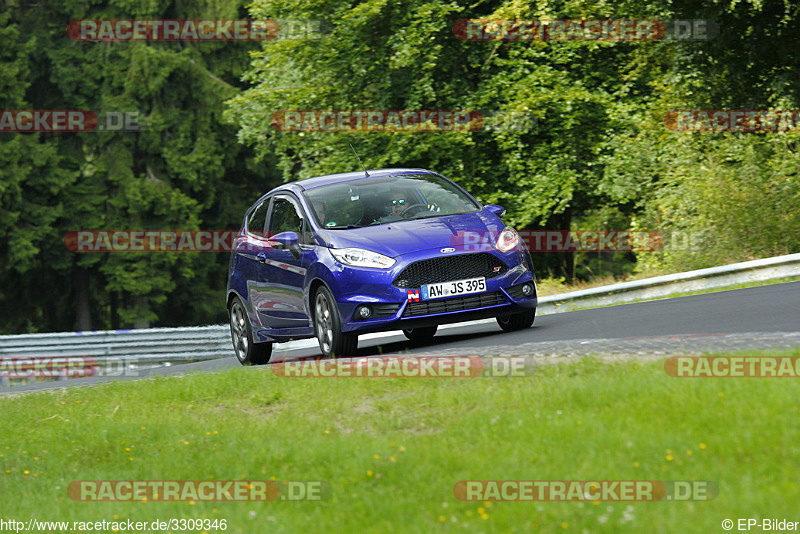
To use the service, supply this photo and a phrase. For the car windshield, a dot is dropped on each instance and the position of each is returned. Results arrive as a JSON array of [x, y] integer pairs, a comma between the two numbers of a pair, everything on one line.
[[387, 199]]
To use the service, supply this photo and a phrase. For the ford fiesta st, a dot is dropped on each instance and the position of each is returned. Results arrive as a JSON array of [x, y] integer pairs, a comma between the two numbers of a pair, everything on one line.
[[392, 249]]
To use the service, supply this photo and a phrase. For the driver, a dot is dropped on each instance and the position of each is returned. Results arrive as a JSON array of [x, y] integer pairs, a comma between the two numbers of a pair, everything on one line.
[[399, 206], [395, 202]]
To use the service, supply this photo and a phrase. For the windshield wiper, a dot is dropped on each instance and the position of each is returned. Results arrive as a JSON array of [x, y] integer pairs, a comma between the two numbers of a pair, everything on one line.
[[342, 227], [424, 215], [427, 216]]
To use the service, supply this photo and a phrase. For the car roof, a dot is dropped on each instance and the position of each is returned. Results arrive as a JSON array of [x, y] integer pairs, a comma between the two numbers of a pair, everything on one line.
[[319, 181]]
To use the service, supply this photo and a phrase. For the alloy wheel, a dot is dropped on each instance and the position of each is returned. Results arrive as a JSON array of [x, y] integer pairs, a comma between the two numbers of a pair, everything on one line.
[[323, 322], [239, 331]]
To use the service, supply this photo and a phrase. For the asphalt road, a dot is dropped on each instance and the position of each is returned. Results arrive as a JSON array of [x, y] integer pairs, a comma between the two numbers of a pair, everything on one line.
[[755, 315], [774, 308]]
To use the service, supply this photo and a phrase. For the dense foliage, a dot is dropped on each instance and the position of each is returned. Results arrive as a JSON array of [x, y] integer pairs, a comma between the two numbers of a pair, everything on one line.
[[600, 156]]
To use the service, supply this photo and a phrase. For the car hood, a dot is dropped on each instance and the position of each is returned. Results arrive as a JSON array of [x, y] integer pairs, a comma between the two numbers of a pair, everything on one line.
[[396, 239]]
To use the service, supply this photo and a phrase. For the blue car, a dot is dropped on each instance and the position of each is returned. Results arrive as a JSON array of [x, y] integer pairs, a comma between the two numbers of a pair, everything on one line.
[[336, 256]]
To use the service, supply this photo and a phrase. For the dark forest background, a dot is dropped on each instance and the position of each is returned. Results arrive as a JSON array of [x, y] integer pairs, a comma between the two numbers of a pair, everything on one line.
[[599, 158]]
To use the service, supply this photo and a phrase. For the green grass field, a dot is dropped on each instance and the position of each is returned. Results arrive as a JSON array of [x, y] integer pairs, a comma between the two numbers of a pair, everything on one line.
[[392, 449]]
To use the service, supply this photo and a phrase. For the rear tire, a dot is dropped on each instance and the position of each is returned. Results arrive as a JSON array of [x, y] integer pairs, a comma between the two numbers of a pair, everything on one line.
[[421, 335], [517, 321], [328, 327], [247, 352]]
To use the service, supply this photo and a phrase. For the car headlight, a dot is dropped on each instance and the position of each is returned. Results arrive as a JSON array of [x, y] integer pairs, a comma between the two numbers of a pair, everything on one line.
[[507, 240], [358, 257]]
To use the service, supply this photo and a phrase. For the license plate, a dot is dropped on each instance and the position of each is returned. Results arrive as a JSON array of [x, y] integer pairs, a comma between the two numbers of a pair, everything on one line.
[[452, 289]]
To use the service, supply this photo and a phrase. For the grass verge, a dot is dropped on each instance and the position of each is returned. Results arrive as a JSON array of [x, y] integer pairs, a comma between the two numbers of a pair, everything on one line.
[[392, 449]]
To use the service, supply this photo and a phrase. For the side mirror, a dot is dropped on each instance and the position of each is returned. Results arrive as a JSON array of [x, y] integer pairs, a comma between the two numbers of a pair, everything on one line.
[[287, 241], [497, 210]]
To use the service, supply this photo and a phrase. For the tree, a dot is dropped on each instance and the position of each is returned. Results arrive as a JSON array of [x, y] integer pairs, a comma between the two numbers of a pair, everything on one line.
[[184, 170]]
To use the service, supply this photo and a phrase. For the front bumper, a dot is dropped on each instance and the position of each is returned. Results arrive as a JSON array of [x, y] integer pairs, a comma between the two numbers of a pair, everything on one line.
[[395, 311]]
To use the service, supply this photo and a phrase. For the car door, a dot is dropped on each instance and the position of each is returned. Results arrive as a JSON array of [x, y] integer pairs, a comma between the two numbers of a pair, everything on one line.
[[245, 264], [282, 272]]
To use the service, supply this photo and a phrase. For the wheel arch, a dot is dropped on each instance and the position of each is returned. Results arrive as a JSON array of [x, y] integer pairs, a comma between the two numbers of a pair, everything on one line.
[[232, 293], [316, 283]]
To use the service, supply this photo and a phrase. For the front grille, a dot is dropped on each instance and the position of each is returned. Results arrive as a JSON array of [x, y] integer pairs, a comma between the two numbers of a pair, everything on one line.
[[445, 269], [467, 302]]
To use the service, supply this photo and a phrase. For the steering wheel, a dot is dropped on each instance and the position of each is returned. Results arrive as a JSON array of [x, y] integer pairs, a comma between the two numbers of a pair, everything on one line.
[[420, 207]]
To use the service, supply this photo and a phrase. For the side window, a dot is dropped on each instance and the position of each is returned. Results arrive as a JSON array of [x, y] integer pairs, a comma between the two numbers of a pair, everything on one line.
[[286, 217], [257, 218]]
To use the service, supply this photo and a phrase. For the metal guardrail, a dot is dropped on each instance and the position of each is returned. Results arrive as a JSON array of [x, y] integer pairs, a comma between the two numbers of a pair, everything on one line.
[[160, 346], [195, 343], [670, 284], [118, 352]]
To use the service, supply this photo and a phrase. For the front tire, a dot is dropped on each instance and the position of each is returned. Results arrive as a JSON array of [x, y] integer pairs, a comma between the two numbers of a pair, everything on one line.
[[421, 335], [247, 352], [517, 321], [328, 328]]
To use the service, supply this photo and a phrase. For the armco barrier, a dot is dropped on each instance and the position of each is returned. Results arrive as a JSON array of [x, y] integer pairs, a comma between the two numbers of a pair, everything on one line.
[[158, 346], [140, 348], [670, 284]]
